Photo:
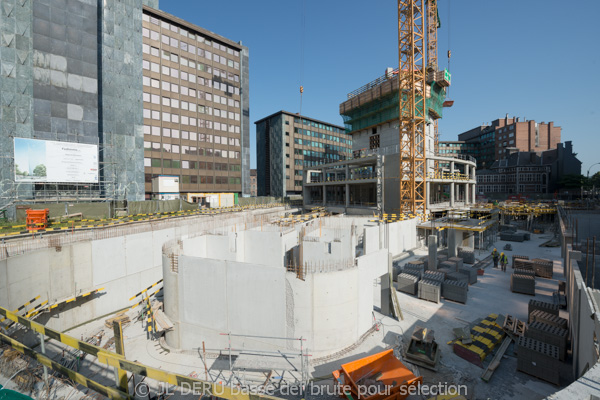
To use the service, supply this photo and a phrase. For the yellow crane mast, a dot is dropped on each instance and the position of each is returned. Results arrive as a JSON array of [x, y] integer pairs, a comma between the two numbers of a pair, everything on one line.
[[412, 86]]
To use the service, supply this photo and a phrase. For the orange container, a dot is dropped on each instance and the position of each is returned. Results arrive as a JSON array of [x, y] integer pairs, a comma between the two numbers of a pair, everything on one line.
[[37, 219], [378, 377]]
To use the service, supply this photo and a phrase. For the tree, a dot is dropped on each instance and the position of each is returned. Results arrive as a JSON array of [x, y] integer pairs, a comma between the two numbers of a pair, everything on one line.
[[572, 181], [40, 170]]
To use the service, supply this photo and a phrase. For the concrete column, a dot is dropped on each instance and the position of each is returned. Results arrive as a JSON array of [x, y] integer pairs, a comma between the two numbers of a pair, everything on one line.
[[428, 195], [471, 240], [347, 195], [386, 290], [324, 195], [474, 193], [347, 170], [467, 196], [452, 242], [432, 246]]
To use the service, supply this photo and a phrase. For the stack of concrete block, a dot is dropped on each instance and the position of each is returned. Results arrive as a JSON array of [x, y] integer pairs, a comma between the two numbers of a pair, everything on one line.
[[396, 270], [512, 237], [542, 267], [548, 319], [549, 334], [470, 273], [447, 265], [416, 270], [467, 254], [430, 290], [527, 272], [538, 359], [522, 284], [515, 256], [519, 263], [456, 260], [408, 283], [527, 236], [550, 308], [434, 276], [446, 271], [425, 261], [441, 258], [458, 277], [455, 291]]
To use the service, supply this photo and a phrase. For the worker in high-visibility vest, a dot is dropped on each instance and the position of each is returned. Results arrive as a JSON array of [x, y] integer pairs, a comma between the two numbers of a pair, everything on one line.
[[495, 257], [503, 261]]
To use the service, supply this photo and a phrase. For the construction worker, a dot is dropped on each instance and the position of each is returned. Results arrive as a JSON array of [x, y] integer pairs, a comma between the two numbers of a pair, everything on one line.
[[495, 256], [503, 261]]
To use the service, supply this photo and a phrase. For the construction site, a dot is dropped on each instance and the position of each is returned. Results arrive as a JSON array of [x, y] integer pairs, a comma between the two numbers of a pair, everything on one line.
[[388, 281]]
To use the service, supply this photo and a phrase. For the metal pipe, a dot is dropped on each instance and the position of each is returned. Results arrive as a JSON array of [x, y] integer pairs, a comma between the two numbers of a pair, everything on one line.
[[587, 258]]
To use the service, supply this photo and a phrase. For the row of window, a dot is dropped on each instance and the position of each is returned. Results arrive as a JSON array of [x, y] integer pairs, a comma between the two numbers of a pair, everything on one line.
[[318, 125], [193, 36], [321, 156], [187, 106], [184, 90], [190, 135], [185, 149], [184, 76], [320, 135], [510, 127], [185, 120], [305, 142], [192, 48], [186, 164]]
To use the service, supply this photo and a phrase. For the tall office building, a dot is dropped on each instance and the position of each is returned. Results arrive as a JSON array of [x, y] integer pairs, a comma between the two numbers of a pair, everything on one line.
[[286, 143], [71, 82], [195, 93]]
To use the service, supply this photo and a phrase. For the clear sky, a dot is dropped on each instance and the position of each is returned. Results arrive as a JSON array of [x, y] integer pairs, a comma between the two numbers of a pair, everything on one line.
[[538, 59]]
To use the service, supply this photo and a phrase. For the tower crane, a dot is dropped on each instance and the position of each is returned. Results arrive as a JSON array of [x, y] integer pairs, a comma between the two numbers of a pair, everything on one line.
[[412, 112]]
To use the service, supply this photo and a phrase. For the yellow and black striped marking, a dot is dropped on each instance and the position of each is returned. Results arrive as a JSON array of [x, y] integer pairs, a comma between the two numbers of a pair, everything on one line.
[[106, 391], [145, 290], [23, 306], [144, 300], [149, 316], [75, 298], [36, 310]]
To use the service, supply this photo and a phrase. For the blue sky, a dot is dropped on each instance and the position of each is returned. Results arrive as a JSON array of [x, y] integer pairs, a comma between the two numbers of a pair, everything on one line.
[[528, 58]]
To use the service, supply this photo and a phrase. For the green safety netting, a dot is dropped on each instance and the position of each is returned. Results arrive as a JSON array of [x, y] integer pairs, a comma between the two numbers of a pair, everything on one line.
[[386, 108]]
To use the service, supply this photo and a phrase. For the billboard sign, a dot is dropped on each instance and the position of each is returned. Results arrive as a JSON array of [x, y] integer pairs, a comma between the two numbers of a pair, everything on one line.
[[50, 161]]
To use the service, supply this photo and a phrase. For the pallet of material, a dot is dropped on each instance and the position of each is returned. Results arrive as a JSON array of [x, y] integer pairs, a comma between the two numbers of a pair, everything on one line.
[[425, 261], [538, 359], [120, 317], [547, 318], [486, 335], [396, 270], [512, 237], [458, 277], [549, 334], [416, 270], [467, 255], [445, 271], [527, 272], [513, 327], [542, 267], [441, 258], [519, 263], [434, 276], [515, 256], [543, 306], [458, 261], [407, 283], [524, 284], [470, 273], [455, 291], [447, 264], [430, 290]]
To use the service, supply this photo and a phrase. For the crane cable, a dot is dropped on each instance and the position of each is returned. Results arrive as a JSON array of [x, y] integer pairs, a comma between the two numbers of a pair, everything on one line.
[[302, 34]]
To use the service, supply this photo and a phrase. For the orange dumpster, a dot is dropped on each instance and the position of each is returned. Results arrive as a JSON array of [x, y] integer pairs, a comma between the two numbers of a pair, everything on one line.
[[378, 377], [37, 219]]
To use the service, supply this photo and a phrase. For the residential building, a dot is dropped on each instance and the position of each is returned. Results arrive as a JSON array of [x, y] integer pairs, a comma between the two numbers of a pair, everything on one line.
[[491, 141], [287, 143], [529, 173], [195, 94], [71, 73], [369, 181], [253, 187]]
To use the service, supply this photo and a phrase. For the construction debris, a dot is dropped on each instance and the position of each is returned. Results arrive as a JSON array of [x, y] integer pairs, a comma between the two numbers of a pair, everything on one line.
[[423, 349]]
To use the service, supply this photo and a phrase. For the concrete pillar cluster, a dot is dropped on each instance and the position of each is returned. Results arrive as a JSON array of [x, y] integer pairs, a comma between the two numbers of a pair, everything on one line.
[[432, 247]]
